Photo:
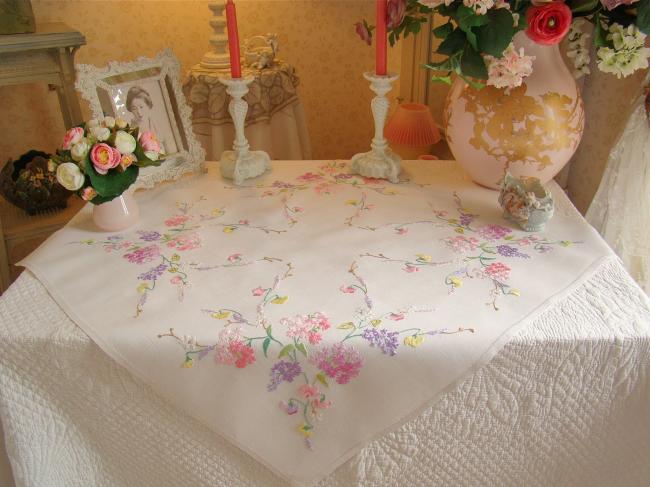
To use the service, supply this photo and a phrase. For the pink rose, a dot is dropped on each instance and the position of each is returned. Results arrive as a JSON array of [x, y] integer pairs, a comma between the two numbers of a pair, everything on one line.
[[72, 136], [363, 31], [395, 13], [104, 157], [549, 23], [149, 141]]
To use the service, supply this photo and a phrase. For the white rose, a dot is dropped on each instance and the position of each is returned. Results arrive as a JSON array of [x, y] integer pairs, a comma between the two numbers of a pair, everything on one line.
[[109, 122], [100, 133], [69, 176], [92, 123], [124, 142], [80, 150], [120, 122], [151, 155]]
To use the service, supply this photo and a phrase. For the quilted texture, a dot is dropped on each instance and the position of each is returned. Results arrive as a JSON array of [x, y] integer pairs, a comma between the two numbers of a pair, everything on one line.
[[564, 403]]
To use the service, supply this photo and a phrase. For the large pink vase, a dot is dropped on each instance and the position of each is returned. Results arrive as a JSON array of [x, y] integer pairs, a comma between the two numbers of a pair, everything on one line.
[[531, 130]]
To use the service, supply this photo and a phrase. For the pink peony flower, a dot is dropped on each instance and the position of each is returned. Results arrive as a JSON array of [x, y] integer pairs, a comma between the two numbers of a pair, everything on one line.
[[363, 31], [395, 12], [549, 23], [104, 157], [71, 137], [149, 141]]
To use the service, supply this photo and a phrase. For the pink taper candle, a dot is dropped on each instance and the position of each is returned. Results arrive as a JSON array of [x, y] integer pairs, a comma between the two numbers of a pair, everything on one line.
[[233, 40], [381, 38]]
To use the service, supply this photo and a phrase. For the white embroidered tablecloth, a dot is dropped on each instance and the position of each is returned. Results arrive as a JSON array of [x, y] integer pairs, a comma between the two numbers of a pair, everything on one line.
[[381, 295]]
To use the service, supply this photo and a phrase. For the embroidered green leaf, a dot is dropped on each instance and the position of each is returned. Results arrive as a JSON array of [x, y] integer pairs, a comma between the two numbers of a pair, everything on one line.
[[320, 377], [265, 345], [301, 348], [286, 351], [346, 326], [269, 330]]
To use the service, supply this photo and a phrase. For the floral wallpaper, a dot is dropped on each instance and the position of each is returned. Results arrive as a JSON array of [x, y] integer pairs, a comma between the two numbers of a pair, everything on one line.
[[317, 37]]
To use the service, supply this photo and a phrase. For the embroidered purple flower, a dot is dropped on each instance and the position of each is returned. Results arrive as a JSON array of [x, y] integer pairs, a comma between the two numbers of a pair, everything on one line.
[[493, 232], [114, 237], [153, 273], [466, 219], [283, 371], [508, 251], [143, 255], [383, 339], [149, 235], [340, 362]]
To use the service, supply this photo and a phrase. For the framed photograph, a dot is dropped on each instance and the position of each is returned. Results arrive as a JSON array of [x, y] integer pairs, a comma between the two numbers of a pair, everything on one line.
[[147, 92]]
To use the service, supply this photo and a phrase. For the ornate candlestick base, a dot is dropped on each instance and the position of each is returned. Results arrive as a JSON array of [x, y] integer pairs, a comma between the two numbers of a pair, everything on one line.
[[380, 162], [241, 163]]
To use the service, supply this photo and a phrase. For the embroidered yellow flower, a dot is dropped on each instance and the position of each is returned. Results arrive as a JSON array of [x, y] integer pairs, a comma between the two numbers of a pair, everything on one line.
[[305, 429], [515, 292], [375, 323], [142, 288], [423, 257], [452, 220], [459, 230], [456, 282], [280, 300], [228, 229], [217, 212], [351, 202], [565, 243], [175, 258], [188, 364], [414, 341], [221, 315]]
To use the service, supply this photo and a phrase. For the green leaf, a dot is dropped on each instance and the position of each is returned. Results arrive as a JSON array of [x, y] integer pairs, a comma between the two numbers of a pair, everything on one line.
[[443, 31], [600, 34], [496, 35], [453, 43], [144, 161], [286, 351], [467, 18], [265, 345], [320, 377], [441, 79], [584, 6], [269, 330], [113, 183], [643, 16], [301, 348], [472, 63]]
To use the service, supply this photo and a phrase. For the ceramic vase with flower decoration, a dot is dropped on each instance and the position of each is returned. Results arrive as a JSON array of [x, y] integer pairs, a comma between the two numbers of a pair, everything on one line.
[[531, 130]]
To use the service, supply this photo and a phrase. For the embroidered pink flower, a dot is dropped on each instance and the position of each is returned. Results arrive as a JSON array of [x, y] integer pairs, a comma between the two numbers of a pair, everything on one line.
[[306, 327], [288, 407], [176, 280], [411, 268], [243, 354], [231, 350], [185, 242], [396, 316], [308, 391], [401, 231], [143, 255], [244, 222], [177, 221], [318, 403], [258, 291], [309, 177], [104, 157], [493, 232], [234, 258], [498, 271], [348, 289], [462, 244], [340, 362], [298, 209], [71, 137]]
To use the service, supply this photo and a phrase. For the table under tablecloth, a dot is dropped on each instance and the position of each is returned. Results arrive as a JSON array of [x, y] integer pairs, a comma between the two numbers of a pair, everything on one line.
[[539, 385]]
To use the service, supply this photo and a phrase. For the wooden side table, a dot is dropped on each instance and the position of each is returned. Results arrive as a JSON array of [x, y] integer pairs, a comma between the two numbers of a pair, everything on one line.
[[20, 234], [46, 55]]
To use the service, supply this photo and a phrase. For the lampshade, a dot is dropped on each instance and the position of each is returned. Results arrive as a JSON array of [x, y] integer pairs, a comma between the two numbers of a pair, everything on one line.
[[412, 125]]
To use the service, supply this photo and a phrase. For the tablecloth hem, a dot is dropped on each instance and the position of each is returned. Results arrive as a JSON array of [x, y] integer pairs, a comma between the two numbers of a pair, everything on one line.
[[589, 272]]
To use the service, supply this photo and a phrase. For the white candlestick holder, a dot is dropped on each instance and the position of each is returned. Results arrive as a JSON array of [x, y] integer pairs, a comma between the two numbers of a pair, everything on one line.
[[241, 163], [380, 162]]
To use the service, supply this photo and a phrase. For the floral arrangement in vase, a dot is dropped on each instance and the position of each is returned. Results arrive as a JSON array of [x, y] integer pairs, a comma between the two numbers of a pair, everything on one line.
[[99, 160], [477, 39]]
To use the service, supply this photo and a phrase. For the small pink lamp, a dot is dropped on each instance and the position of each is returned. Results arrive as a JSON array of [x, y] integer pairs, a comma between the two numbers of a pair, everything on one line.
[[412, 131]]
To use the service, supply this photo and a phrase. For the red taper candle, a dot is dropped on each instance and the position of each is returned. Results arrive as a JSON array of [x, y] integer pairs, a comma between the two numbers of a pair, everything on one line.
[[233, 40], [381, 39]]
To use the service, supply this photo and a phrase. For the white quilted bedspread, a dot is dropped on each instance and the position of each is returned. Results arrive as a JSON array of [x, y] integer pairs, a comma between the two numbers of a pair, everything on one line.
[[566, 402]]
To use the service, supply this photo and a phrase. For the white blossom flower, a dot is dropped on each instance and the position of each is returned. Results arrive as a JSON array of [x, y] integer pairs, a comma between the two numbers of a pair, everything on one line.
[[510, 70], [628, 54], [577, 49], [480, 6]]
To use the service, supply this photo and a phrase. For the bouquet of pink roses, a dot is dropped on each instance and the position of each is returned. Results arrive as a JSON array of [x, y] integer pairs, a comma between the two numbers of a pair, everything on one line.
[[100, 160]]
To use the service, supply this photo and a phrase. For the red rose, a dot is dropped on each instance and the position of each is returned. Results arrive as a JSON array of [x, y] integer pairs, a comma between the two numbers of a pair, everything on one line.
[[549, 23]]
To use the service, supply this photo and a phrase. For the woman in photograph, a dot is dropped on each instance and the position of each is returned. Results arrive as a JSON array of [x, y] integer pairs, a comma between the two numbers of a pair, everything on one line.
[[139, 103]]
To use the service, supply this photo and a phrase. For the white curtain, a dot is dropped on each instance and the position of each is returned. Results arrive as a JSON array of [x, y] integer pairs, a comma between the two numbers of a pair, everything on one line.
[[620, 210]]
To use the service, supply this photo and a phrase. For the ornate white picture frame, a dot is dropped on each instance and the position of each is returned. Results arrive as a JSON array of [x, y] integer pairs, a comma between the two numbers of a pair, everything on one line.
[[147, 92]]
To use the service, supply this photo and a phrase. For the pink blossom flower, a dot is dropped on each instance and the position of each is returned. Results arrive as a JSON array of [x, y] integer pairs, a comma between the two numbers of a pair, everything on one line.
[[307, 327], [149, 141], [363, 31], [493, 232], [258, 291], [176, 280], [143, 255], [411, 268], [509, 70], [309, 177], [348, 289], [498, 271], [88, 193], [177, 221], [462, 244], [231, 350], [339, 361], [395, 12], [396, 316], [185, 242], [308, 391], [234, 258], [319, 404], [71, 137], [104, 157]]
